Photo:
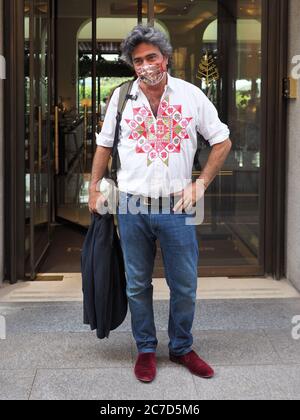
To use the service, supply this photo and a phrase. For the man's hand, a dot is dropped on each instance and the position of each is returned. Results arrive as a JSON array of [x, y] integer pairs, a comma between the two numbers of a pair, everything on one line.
[[100, 163], [93, 200], [190, 196]]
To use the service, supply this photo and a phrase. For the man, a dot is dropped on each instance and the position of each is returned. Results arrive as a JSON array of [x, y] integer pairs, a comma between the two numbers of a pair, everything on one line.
[[158, 142]]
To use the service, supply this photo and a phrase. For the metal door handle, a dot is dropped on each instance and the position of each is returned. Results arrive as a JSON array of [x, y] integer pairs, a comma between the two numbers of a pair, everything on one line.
[[56, 151], [85, 136], [40, 140]]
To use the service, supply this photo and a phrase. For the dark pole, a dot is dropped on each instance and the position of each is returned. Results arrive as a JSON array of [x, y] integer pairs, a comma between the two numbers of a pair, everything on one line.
[[140, 11], [94, 73], [99, 90], [151, 15]]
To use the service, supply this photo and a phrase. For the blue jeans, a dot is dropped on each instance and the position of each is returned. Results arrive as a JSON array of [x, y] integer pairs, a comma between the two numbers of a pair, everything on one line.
[[179, 246]]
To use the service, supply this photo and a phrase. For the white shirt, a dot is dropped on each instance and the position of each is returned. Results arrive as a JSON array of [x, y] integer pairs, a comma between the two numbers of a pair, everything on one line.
[[157, 154]]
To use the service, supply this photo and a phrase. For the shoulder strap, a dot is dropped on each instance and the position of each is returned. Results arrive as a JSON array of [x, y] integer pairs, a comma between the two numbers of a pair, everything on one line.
[[123, 99], [124, 91]]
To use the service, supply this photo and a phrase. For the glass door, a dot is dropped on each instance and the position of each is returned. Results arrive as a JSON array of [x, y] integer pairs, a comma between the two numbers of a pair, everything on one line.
[[37, 139], [73, 109], [234, 37], [218, 47]]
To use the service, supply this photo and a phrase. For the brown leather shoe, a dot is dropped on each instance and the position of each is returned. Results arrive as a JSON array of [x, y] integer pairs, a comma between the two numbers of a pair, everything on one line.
[[195, 365], [145, 367]]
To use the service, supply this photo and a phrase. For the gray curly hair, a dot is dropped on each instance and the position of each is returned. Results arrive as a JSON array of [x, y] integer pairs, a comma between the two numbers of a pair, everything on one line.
[[149, 35]]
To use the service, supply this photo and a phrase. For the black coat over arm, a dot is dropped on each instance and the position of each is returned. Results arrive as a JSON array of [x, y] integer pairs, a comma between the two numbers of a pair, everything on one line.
[[103, 277]]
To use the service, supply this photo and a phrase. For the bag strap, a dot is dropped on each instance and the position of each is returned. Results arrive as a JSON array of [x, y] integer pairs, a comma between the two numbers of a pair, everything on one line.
[[123, 99]]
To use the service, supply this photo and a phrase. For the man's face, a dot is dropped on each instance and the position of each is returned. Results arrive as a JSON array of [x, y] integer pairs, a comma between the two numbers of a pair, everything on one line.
[[146, 54]]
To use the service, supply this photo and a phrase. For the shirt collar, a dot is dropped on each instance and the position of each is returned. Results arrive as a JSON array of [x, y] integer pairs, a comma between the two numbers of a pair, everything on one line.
[[171, 82]]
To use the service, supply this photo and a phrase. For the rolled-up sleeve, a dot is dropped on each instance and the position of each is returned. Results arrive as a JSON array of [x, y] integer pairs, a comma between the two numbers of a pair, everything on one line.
[[209, 125], [106, 137]]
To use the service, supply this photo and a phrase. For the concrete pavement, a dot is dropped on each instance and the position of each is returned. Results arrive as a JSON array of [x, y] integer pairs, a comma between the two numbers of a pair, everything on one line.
[[49, 354]]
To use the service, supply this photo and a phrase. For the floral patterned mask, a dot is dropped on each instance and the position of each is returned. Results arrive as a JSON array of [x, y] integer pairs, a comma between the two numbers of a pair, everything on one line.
[[151, 74]]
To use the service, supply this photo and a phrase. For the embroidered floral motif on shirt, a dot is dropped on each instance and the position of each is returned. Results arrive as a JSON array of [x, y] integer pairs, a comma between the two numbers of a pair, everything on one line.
[[160, 139]]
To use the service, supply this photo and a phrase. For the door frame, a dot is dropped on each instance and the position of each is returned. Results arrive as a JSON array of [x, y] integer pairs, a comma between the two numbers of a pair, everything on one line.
[[14, 150], [274, 123], [274, 147]]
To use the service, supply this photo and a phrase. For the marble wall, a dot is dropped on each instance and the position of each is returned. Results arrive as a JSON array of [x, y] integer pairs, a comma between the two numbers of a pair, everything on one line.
[[293, 144]]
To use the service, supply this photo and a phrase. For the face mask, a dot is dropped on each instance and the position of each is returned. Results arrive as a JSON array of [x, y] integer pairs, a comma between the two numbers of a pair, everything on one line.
[[151, 74]]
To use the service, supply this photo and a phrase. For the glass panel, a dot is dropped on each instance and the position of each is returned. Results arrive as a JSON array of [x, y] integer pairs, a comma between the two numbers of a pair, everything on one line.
[[36, 127], [217, 47], [115, 19], [74, 89], [74, 101]]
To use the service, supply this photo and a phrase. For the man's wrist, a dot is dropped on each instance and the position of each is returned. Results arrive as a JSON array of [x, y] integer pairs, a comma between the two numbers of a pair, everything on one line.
[[93, 188], [204, 182]]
